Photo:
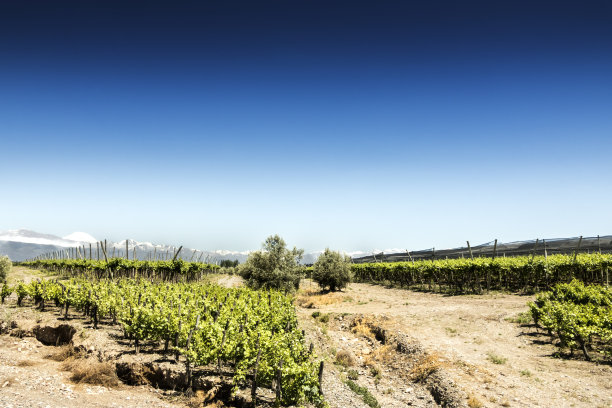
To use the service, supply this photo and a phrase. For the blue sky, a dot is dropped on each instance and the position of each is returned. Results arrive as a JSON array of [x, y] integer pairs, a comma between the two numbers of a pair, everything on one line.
[[342, 124]]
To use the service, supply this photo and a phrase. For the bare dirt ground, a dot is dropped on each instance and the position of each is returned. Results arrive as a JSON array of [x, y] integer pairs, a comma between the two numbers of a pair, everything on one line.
[[29, 379], [495, 361]]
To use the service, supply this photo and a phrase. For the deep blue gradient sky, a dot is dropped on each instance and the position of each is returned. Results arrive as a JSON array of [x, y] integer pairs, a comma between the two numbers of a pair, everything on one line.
[[344, 124]]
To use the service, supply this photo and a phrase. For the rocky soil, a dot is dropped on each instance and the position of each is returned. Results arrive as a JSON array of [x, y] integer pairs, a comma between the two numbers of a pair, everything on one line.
[[493, 359]]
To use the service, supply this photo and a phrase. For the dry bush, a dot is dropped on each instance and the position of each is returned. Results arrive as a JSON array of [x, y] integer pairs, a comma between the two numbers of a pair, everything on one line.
[[425, 366], [312, 299], [64, 353], [363, 326], [201, 400], [383, 354], [345, 358], [83, 369], [91, 371]]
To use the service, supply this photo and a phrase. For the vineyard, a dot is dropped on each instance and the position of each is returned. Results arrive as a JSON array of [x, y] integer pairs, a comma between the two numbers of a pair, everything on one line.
[[249, 340], [252, 335], [579, 316], [465, 275], [176, 270]]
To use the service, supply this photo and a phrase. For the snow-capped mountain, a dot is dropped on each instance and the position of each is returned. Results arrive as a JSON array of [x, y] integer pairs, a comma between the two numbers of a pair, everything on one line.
[[33, 237], [24, 244], [80, 237]]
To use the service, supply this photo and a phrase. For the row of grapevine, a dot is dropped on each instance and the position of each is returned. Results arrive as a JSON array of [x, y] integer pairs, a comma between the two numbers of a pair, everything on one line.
[[579, 315], [173, 271], [251, 334], [525, 273]]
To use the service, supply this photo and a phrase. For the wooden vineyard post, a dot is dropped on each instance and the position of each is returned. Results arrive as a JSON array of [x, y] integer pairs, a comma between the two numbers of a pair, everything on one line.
[[578, 249], [221, 345], [254, 385], [495, 249], [470, 249], [67, 303], [176, 338], [279, 378], [535, 246], [104, 252], [471, 256], [127, 252], [188, 365], [598, 245], [177, 252], [321, 378], [90, 251], [489, 269], [98, 249]]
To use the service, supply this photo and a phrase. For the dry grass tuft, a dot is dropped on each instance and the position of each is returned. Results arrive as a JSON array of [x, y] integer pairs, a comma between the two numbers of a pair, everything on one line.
[[426, 366], [26, 363], [474, 402], [383, 354], [345, 358], [65, 353], [312, 299], [91, 371], [83, 369], [363, 326]]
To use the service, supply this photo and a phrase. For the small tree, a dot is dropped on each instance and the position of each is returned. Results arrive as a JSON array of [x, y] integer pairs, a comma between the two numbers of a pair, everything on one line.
[[227, 263], [332, 270], [275, 267], [5, 267]]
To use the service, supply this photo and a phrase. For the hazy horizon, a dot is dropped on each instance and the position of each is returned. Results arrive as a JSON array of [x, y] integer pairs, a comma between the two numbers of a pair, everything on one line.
[[349, 125]]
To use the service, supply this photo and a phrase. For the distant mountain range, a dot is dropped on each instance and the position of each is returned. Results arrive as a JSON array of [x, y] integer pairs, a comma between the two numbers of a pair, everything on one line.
[[24, 244]]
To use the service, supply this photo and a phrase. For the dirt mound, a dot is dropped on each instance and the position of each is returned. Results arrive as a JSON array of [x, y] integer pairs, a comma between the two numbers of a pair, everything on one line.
[[54, 336], [159, 375], [408, 356]]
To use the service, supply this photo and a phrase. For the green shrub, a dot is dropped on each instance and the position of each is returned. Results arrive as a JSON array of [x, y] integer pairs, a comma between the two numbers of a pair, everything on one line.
[[274, 267], [5, 267], [332, 270], [368, 398], [353, 374]]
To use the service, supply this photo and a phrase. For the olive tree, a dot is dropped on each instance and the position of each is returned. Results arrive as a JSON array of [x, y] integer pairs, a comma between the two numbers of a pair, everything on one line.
[[5, 267], [332, 270], [274, 267]]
